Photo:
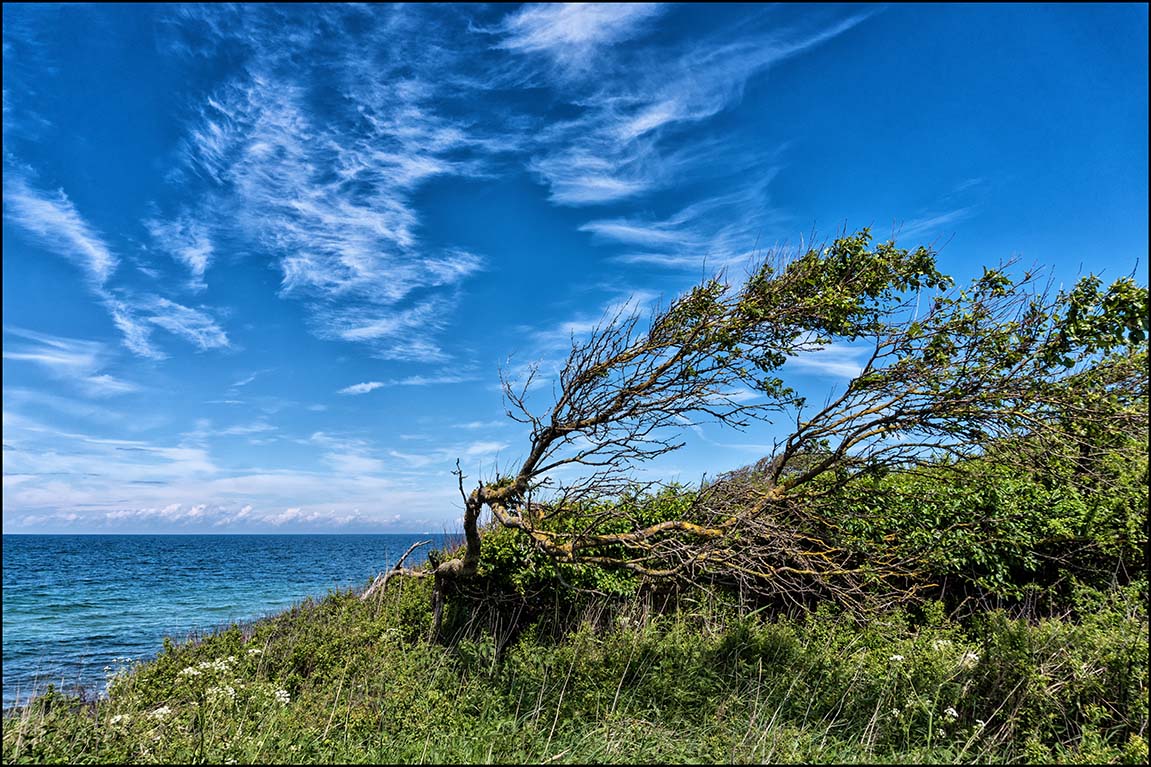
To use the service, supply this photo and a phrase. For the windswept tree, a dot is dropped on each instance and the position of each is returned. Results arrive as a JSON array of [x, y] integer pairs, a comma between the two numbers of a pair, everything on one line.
[[952, 372]]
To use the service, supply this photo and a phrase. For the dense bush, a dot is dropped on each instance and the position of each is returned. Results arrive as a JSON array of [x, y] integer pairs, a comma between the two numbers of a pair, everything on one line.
[[980, 534], [1004, 536]]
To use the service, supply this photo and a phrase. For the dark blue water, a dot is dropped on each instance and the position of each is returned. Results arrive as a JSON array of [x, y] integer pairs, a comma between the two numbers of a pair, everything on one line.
[[74, 604]]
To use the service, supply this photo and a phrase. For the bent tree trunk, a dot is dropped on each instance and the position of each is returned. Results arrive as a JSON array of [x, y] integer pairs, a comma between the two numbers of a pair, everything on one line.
[[444, 572], [997, 362]]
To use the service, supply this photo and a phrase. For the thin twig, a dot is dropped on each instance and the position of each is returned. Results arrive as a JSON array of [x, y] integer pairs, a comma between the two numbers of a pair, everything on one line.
[[382, 579]]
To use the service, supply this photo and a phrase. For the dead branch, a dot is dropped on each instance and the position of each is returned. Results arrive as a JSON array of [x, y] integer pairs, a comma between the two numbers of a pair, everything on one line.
[[381, 580]]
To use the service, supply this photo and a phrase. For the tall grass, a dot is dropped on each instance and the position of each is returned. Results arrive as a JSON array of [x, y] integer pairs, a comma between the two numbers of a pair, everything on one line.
[[340, 680]]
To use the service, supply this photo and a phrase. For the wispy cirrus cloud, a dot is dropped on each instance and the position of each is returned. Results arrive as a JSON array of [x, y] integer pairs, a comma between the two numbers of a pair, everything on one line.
[[52, 219], [832, 361], [361, 388], [537, 365], [137, 316], [934, 223], [74, 360], [188, 241], [621, 305], [137, 335], [433, 380], [36, 449], [194, 325], [572, 34], [327, 190], [416, 380], [481, 425], [480, 449], [348, 455], [245, 429], [614, 150], [718, 232]]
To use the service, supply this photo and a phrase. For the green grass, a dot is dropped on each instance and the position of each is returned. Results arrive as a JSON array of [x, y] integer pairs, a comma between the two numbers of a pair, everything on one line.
[[340, 680]]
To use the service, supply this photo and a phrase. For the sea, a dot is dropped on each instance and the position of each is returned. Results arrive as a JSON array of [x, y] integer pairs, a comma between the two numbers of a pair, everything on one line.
[[77, 606]]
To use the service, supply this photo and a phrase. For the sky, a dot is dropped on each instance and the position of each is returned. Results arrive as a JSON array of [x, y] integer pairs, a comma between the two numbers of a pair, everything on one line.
[[263, 265]]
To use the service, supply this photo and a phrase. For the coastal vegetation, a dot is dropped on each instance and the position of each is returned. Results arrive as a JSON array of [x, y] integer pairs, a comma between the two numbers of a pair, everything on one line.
[[944, 562], [960, 382], [342, 680]]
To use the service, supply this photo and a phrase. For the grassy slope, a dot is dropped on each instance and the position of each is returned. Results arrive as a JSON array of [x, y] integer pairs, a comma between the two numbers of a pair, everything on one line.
[[339, 680]]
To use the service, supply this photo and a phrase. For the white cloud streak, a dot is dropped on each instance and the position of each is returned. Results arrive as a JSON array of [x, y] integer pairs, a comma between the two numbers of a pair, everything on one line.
[[53, 219], [194, 325], [614, 149], [573, 34], [187, 240], [331, 199], [73, 360], [361, 388], [417, 380], [832, 361], [933, 223], [719, 232]]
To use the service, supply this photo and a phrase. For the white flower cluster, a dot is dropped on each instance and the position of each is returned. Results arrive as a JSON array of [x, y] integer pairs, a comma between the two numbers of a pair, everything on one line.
[[951, 713], [220, 665], [254, 651], [225, 693], [161, 712], [282, 696], [968, 660]]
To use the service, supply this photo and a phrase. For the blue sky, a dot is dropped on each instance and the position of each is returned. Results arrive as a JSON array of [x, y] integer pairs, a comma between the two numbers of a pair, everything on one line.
[[262, 264]]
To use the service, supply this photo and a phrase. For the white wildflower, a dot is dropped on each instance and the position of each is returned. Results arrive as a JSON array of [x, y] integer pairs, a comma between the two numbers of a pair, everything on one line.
[[969, 659], [282, 696], [254, 651], [951, 713], [121, 718], [227, 692], [161, 712], [896, 658], [190, 671]]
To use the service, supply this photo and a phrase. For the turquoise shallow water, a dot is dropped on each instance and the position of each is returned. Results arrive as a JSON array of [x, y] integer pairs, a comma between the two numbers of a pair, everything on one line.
[[74, 604]]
